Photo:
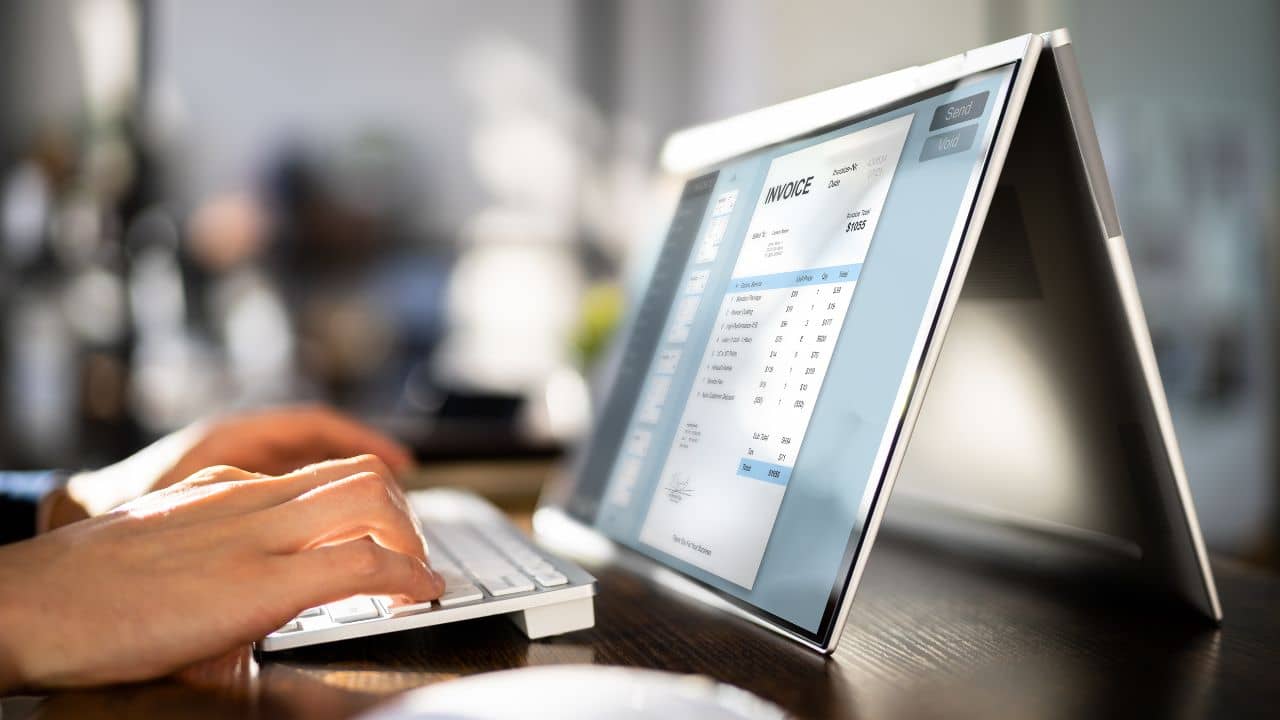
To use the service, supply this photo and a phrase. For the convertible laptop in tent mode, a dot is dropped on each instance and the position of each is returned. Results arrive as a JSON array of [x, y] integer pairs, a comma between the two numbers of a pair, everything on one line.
[[915, 280]]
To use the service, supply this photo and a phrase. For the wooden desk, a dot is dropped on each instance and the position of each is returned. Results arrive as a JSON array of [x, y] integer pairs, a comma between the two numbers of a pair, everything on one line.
[[934, 632]]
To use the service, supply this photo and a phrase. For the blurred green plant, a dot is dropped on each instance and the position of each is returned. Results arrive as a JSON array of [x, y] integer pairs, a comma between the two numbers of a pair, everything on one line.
[[599, 315]]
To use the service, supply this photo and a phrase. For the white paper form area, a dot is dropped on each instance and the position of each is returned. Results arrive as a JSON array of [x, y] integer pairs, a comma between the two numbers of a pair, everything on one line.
[[764, 364]]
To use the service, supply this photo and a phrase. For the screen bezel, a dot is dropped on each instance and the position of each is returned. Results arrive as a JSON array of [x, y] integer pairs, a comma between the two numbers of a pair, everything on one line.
[[1016, 53]]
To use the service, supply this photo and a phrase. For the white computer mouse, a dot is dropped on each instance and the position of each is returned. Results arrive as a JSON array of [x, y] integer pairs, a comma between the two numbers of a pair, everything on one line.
[[578, 692]]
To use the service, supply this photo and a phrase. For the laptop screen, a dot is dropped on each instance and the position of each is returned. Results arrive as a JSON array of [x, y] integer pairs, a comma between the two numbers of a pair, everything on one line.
[[764, 379]]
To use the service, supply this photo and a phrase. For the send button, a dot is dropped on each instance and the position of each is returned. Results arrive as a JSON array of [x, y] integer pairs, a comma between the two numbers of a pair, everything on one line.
[[959, 111], [936, 146]]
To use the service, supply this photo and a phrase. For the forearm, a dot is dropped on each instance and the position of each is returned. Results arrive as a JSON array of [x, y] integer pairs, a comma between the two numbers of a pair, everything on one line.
[[14, 617], [10, 677]]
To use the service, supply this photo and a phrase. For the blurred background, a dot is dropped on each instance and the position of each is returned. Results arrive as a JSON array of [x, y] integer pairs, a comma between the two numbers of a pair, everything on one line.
[[434, 214]]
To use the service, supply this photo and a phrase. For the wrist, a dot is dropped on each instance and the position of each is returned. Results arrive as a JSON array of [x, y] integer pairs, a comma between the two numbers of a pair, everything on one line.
[[94, 492], [157, 465], [57, 509]]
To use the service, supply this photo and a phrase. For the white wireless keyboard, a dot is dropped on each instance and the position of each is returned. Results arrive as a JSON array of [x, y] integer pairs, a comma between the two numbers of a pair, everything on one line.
[[489, 568]]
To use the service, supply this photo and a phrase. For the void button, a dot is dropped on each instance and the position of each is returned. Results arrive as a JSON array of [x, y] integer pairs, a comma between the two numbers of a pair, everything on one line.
[[948, 143]]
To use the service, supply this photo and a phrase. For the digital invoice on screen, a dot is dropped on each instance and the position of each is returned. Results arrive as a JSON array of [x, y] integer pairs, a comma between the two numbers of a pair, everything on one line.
[[789, 305]]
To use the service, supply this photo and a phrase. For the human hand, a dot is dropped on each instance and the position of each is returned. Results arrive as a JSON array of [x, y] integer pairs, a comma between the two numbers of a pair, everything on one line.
[[194, 570], [271, 442]]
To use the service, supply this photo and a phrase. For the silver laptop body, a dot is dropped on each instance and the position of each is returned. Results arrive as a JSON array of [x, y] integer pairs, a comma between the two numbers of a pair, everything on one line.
[[1036, 404]]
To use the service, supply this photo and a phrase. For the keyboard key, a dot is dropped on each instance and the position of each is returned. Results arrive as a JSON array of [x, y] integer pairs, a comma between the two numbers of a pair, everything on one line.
[[551, 579], [453, 577], [311, 612], [291, 626], [400, 609], [439, 559], [506, 585], [353, 609], [502, 563], [458, 594], [535, 568], [496, 586]]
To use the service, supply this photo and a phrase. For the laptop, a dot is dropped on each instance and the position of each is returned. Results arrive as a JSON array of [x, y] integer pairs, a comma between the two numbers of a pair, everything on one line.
[[829, 260]]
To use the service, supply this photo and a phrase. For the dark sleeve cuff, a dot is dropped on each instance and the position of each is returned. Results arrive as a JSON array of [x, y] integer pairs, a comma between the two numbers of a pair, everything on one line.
[[20, 496]]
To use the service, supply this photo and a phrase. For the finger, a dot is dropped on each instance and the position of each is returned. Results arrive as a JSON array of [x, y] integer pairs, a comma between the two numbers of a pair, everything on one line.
[[183, 500], [333, 572], [291, 485], [220, 492], [337, 512]]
